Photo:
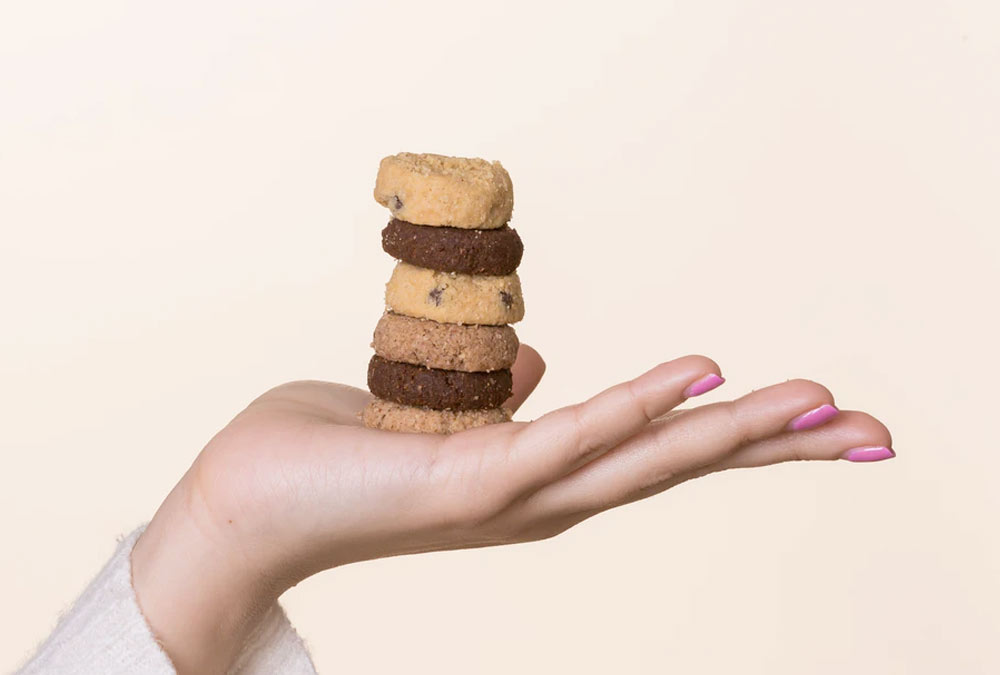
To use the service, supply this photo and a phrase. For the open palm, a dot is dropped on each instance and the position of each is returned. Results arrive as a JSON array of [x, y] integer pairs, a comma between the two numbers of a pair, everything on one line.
[[294, 484]]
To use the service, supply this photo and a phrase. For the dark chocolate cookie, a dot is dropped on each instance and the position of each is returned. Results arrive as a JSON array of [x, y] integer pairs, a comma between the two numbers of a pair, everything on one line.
[[450, 249], [438, 389]]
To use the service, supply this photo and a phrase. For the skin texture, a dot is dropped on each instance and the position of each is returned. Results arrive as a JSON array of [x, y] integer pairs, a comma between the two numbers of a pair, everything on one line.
[[294, 485]]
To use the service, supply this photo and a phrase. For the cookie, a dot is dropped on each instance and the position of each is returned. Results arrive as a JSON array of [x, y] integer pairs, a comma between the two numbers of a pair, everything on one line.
[[438, 389], [437, 190], [454, 298], [451, 249], [447, 346], [380, 414]]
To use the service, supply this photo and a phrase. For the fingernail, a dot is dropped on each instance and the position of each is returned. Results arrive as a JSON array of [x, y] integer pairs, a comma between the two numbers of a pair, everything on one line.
[[869, 453], [703, 385], [813, 418]]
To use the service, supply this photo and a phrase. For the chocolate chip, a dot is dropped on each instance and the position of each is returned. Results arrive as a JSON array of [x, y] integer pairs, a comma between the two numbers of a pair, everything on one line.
[[507, 299], [397, 203], [435, 296]]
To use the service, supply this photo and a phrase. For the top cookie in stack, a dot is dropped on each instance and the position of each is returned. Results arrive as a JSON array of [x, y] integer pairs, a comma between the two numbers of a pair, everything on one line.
[[443, 349]]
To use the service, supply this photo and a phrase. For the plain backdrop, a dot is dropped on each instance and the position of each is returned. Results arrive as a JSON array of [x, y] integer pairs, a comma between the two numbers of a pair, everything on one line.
[[796, 189]]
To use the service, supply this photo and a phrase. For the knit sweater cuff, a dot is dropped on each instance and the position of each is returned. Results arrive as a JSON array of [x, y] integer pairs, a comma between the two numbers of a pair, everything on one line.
[[104, 632]]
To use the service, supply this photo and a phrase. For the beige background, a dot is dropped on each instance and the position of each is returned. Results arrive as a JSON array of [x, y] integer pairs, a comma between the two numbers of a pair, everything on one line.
[[793, 188]]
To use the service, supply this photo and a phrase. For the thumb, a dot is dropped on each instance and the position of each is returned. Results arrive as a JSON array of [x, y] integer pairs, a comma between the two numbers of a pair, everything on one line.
[[527, 372]]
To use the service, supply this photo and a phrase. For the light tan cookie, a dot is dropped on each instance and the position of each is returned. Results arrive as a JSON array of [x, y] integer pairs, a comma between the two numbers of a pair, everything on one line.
[[454, 298], [448, 346], [425, 189], [390, 416]]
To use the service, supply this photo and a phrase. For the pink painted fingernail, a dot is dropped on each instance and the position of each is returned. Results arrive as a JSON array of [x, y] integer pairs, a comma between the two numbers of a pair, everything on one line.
[[813, 418], [703, 385], [869, 453]]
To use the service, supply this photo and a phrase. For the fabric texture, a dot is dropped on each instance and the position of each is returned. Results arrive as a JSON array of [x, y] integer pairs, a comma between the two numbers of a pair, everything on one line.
[[105, 632]]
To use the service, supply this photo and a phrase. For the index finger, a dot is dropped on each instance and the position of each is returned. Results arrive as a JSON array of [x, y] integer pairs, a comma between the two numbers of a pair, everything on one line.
[[559, 442]]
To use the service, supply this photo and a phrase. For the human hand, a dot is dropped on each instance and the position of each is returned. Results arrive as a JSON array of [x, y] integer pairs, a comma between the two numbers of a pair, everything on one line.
[[295, 485]]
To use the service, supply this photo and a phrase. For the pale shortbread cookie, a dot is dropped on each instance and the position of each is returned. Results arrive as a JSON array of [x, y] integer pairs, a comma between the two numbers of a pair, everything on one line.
[[391, 416], [424, 189], [454, 298], [447, 346]]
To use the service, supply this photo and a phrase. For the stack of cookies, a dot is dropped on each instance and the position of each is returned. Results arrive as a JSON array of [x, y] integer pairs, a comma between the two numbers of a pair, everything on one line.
[[443, 349]]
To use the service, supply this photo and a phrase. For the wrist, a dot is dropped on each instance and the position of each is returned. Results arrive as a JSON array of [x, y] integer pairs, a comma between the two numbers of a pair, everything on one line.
[[198, 595]]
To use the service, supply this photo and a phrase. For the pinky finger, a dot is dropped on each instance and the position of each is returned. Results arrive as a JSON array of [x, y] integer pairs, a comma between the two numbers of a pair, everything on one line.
[[853, 436]]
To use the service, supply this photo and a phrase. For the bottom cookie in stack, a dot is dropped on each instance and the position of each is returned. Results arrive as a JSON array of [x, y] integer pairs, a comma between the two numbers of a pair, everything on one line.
[[389, 416], [435, 377]]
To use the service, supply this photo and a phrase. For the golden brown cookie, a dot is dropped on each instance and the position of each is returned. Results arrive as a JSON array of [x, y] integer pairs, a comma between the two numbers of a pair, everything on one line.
[[426, 189], [454, 298]]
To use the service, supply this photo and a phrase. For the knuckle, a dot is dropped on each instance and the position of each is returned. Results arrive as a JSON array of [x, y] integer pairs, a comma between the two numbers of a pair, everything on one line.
[[797, 453], [582, 440], [737, 421], [638, 401]]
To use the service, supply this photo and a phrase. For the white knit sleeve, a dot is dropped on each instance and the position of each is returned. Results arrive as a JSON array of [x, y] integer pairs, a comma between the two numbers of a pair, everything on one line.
[[104, 632]]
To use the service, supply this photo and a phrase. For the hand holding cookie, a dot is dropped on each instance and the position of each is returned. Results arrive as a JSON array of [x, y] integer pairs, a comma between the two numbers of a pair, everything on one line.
[[295, 484], [298, 483]]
